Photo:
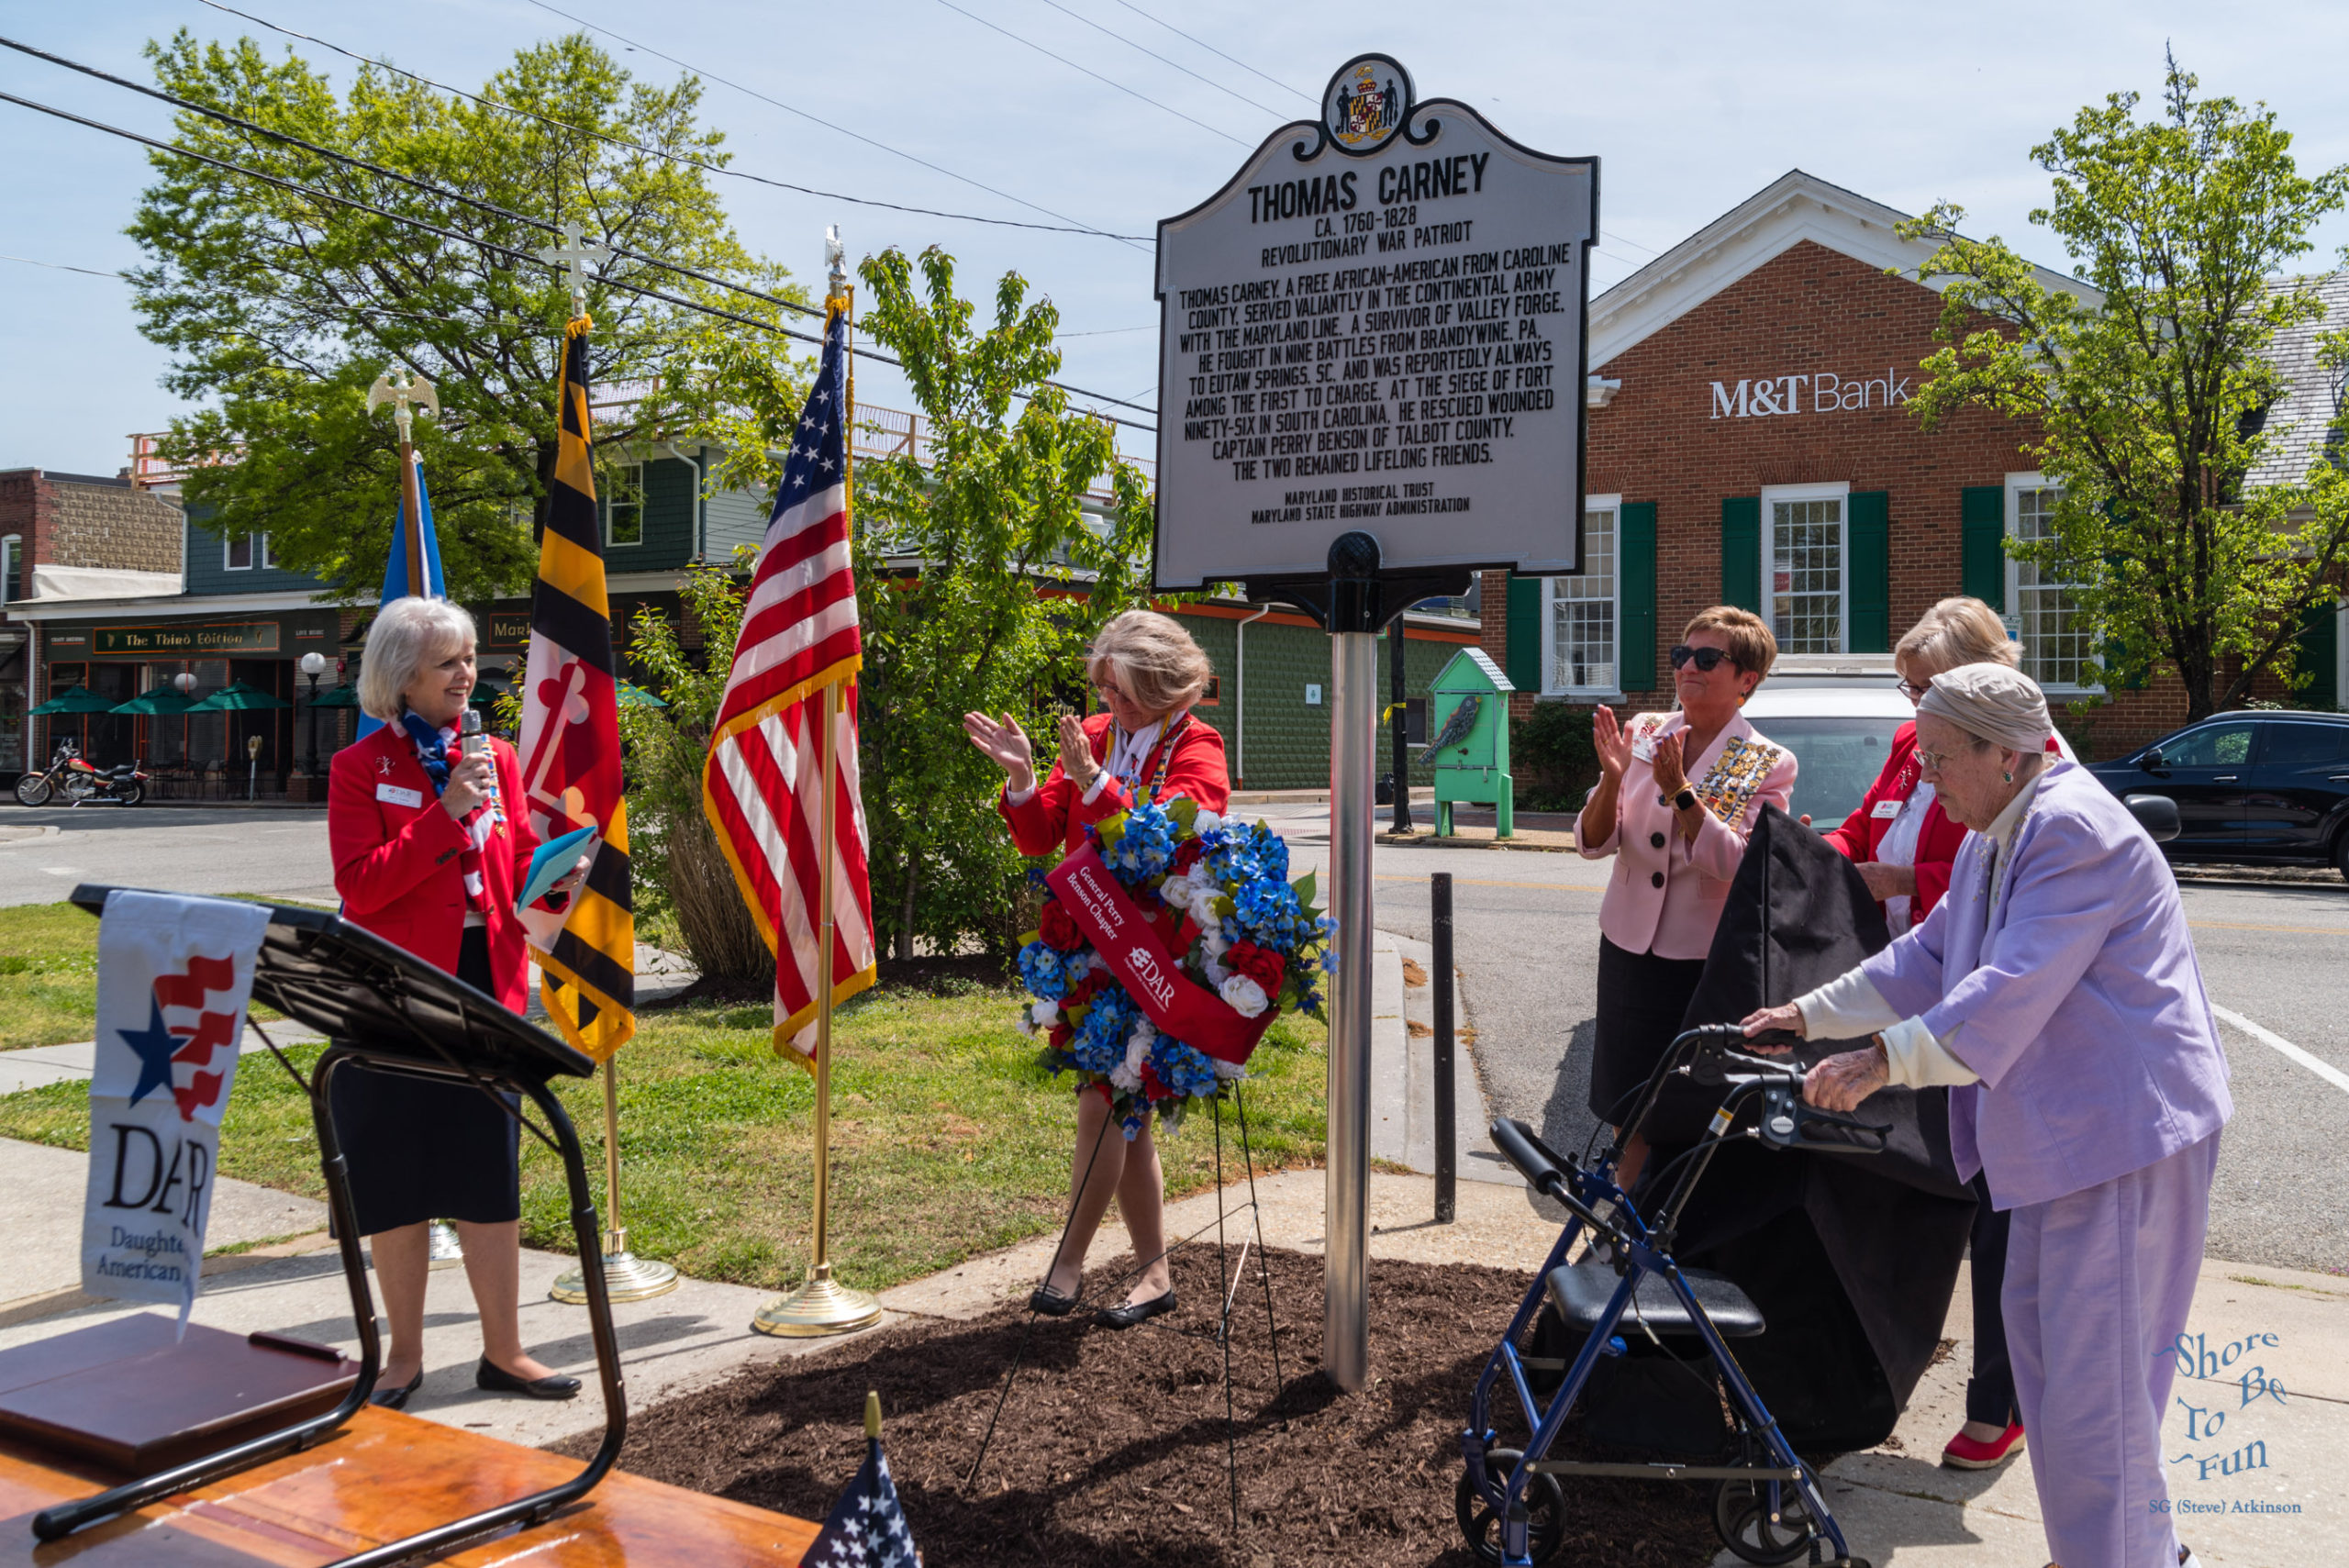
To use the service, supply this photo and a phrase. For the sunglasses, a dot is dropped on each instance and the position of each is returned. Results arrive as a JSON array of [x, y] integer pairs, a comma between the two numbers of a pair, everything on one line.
[[1706, 659]]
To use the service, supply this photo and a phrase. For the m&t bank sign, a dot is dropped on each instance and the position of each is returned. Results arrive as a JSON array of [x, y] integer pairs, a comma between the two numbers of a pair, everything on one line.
[[1825, 392]]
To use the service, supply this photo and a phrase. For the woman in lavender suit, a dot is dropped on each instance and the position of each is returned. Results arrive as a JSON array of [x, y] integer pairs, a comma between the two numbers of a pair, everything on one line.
[[2056, 990]]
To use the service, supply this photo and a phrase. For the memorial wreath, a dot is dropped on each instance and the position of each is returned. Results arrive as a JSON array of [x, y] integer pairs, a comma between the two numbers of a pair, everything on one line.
[[1169, 941]]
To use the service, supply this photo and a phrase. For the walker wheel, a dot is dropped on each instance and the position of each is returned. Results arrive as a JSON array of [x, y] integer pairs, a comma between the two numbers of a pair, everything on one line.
[[1740, 1515], [1480, 1520]]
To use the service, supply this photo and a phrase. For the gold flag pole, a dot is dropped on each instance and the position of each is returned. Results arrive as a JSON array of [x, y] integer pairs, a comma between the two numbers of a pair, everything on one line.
[[822, 1305], [627, 1277]]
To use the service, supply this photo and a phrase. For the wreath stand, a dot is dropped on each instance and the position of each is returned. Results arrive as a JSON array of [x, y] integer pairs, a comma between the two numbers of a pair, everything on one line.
[[1227, 1278]]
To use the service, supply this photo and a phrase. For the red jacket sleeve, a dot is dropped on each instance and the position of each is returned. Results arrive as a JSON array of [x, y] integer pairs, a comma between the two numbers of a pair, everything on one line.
[[1039, 824], [372, 871], [1856, 840]]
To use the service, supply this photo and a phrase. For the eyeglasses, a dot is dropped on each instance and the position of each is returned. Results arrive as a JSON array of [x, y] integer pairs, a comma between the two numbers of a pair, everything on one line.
[[1935, 762], [1911, 690], [1706, 659]]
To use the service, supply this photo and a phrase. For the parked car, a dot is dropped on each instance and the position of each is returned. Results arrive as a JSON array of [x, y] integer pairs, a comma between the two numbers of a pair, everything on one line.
[[2259, 786], [1837, 713]]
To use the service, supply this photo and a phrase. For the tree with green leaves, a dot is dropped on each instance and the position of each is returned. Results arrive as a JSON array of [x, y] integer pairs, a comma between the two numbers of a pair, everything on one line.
[[984, 574], [280, 307], [2151, 402]]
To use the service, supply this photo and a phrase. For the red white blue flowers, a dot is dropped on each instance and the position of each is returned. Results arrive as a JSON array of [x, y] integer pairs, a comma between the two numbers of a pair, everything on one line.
[[1216, 889]]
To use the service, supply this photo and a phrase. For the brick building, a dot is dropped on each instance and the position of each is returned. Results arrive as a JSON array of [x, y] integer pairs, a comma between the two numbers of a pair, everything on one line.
[[1749, 444]]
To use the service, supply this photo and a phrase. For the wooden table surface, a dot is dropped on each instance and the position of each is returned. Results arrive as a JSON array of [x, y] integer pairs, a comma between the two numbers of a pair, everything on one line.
[[385, 1475]]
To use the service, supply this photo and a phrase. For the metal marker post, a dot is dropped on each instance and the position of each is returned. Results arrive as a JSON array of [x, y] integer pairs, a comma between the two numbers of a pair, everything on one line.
[[1447, 1149], [1353, 734]]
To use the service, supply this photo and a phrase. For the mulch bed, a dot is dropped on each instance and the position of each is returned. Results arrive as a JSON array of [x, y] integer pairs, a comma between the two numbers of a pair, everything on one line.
[[1112, 1446]]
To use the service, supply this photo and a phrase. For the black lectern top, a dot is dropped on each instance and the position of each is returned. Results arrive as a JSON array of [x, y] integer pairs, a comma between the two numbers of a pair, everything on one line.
[[362, 992]]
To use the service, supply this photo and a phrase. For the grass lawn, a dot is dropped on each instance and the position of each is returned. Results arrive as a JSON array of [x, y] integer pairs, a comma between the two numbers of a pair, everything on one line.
[[948, 1139], [48, 974]]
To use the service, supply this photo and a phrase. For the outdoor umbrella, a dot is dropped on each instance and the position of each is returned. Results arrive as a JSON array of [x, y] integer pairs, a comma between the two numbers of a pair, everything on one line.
[[158, 702], [337, 696], [81, 700], [636, 696]]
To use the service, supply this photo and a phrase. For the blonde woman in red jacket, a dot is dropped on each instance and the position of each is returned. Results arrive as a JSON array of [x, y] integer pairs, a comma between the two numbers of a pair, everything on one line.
[[429, 845], [1144, 746]]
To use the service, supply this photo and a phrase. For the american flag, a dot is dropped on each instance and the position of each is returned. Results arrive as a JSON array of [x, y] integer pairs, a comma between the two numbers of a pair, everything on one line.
[[867, 1528], [763, 784]]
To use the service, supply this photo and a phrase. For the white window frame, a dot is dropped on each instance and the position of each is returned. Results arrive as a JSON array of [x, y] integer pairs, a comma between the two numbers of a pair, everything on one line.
[[260, 560], [1841, 491], [1613, 505], [2016, 485], [617, 470]]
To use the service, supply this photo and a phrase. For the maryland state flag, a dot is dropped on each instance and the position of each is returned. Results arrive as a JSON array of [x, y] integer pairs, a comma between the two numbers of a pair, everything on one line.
[[570, 746]]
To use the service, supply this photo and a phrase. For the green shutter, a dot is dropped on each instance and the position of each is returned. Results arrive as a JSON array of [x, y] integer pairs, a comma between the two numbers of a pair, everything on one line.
[[1635, 590], [1870, 589], [1524, 667], [1982, 544], [2319, 655], [1741, 551]]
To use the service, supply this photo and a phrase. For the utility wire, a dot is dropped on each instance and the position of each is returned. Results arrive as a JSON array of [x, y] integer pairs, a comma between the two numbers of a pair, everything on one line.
[[409, 180], [523, 256], [702, 163], [1162, 60], [1105, 81], [1217, 52], [92, 271], [1134, 240]]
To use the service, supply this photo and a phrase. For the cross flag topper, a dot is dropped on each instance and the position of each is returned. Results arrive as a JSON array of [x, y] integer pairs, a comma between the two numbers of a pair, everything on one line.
[[406, 394], [575, 256]]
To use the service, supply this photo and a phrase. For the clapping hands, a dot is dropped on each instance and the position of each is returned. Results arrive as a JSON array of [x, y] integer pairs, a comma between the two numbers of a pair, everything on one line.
[[1004, 743]]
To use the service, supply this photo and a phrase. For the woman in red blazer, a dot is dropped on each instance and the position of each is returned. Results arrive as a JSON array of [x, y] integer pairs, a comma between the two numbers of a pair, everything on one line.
[[1144, 746], [429, 845]]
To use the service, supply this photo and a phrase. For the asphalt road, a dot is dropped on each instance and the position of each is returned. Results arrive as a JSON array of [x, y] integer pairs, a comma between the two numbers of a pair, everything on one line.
[[1527, 942], [262, 849], [1525, 936]]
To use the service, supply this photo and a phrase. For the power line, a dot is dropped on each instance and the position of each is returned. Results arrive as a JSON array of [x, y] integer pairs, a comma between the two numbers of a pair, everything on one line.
[[506, 250], [1105, 81], [1162, 59], [1217, 52], [1132, 241], [409, 180], [686, 158], [92, 271]]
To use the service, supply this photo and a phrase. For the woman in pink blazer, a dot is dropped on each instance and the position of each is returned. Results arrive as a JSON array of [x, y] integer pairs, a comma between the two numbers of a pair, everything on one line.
[[1676, 797], [429, 845]]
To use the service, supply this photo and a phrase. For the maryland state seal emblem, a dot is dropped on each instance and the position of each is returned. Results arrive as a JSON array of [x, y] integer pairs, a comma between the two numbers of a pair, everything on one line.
[[1365, 103]]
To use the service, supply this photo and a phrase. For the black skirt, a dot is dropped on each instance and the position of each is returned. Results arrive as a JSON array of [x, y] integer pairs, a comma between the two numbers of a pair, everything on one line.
[[1642, 1001], [420, 1151]]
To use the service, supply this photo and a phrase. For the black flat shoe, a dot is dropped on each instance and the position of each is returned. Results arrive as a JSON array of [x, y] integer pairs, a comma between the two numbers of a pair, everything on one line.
[[497, 1379], [1050, 1303], [1138, 1312], [397, 1398]]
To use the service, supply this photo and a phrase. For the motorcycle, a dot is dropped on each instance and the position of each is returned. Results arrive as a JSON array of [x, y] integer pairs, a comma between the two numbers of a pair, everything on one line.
[[71, 779]]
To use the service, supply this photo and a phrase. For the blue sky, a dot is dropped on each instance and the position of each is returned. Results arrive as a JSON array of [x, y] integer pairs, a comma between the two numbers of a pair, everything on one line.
[[1691, 107]]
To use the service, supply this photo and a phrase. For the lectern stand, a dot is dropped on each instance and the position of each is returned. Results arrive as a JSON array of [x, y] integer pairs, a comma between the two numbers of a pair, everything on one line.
[[391, 1012]]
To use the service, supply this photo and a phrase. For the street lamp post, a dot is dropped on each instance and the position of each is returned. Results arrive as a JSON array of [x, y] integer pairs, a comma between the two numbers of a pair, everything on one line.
[[313, 665]]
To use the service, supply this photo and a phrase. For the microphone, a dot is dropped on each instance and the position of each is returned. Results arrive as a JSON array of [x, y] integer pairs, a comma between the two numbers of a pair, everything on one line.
[[473, 743]]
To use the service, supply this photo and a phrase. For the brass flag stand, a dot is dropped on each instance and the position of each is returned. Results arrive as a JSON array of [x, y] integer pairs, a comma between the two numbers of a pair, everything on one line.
[[823, 1306], [627, 1277]]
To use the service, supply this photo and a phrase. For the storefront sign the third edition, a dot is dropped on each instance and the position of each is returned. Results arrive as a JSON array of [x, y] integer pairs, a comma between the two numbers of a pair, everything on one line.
[[1377, 325]]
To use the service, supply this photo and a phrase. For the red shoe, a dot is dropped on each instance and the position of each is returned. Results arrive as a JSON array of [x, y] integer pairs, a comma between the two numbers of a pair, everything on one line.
[[1963, 1453]]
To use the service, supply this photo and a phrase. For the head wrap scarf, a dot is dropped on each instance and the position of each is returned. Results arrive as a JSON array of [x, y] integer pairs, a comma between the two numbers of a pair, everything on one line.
[[1992, 702]]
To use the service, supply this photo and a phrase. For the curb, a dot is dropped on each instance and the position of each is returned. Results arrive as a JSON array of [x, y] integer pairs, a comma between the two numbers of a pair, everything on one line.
[[1430, 841]]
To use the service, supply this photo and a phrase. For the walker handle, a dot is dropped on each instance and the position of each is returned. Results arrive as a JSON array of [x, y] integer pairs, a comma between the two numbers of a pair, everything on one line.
[[1540, 1167], [1718, 1060]]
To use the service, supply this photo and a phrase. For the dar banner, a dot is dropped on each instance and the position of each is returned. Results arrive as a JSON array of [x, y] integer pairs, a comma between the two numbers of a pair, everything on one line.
[[174, 974]]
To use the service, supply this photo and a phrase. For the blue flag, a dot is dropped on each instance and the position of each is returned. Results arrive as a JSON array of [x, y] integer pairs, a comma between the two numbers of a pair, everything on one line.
[[867, 1528], [396, 583]]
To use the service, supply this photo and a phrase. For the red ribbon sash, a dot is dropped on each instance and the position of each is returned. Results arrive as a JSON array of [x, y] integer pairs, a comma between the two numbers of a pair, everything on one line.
[[1129, 942]]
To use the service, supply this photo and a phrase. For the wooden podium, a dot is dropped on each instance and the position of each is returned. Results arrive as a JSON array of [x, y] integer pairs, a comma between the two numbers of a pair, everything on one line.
[[353, 1485]]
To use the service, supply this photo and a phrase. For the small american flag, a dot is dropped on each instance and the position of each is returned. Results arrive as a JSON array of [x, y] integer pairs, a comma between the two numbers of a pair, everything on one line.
[[763, 784], [867, 1528]]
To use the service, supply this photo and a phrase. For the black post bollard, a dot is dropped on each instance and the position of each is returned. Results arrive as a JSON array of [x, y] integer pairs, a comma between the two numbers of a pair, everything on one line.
[[1447, 1151]]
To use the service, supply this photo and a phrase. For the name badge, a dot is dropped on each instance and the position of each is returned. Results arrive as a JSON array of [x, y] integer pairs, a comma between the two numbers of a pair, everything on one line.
[[1886, 809], [412, 798], [1643, 748]]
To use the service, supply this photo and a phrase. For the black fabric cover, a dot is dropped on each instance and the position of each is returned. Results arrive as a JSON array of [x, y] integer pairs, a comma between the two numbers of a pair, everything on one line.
[[1851, 1258]]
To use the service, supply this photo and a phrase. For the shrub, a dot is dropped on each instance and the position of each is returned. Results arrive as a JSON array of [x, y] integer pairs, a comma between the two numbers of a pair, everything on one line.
[[1552, 758]]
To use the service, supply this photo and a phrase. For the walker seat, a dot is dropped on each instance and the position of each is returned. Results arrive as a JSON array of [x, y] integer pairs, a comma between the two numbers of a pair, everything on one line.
[[1582, 1292]]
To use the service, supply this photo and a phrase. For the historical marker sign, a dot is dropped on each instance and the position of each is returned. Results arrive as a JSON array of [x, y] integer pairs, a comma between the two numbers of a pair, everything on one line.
[[1377, 325]]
